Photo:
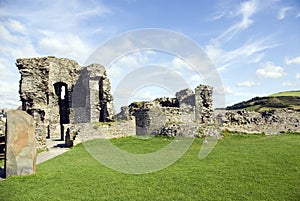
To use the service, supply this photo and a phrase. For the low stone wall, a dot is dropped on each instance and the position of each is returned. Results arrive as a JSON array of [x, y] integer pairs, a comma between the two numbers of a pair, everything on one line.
[[269, 122], [89, 131], [181, 129]]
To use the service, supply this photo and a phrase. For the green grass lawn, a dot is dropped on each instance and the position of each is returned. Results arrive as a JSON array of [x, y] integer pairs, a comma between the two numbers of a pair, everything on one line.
[[252, 167]]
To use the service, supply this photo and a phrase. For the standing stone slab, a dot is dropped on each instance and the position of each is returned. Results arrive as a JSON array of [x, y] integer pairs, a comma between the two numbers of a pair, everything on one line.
[[20, 144]]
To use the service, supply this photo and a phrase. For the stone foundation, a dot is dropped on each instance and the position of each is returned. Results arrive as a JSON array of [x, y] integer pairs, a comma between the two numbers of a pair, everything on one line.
[[269, 122], [88, 131]]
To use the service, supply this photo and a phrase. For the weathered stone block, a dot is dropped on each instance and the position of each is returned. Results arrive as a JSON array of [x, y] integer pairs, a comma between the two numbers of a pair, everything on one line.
[[20, 144]]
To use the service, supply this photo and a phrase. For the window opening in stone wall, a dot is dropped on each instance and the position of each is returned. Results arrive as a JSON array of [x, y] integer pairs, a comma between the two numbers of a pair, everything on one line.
[[47, 97], [63, 103], [103, 103], [62, 92]]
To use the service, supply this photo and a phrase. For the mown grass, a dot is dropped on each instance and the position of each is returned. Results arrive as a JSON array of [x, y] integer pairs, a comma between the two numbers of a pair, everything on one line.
[[240, 167]]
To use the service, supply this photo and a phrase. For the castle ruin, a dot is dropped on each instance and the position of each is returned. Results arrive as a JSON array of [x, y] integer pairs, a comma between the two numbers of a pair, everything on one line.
[[62, 96], [172, 114], [66, 100], [58, 92]]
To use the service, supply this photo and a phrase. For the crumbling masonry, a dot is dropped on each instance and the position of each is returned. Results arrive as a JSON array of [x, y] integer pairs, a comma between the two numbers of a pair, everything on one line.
[[58, 92], [64, 99], [62, 96], [174, 116]]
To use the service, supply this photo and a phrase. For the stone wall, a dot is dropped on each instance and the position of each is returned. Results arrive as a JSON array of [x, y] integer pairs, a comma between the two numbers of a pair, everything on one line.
[[186, 99], [203, 104], [46, 87], [89, 131], [188, 108], [269, 122], [57, 92], [92, 101]]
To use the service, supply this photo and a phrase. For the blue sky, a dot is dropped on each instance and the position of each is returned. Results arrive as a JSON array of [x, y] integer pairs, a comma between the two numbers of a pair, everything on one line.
[[254, 45]]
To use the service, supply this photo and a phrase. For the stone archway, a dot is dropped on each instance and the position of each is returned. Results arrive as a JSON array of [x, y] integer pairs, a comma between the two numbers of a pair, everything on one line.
[[61, 90], [103, 117]]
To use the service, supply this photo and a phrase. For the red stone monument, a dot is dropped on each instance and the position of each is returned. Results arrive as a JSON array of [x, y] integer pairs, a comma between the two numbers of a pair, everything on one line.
[[20, 144]]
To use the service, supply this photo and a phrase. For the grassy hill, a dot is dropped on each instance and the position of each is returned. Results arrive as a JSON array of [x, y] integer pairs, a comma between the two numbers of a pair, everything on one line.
[[286, 93], [288, 99]]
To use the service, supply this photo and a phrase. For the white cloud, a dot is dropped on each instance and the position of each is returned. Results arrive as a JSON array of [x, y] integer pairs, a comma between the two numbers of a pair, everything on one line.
[[298, 76], [246, 10], [114, 71], [56, 15], [249, 49], [295, 60], [257, 58], [269, 70], [298, 15], [41, 28], [218, 16], [6, 36], [13, 44], [133, 60], [288, 84], [228, 90], [253, 50], [282, 12], [214, 52], [6, 72], [179, 63], [16, 26], [9, 94], [69, 46], [249, 52], [247, 84]]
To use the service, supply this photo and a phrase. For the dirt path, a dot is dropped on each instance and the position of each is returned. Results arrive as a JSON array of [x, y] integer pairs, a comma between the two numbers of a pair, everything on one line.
[[55, 148]]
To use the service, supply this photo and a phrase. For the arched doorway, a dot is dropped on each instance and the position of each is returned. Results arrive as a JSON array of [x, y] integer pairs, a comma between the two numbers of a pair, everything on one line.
[[61, 90], [103, 117]]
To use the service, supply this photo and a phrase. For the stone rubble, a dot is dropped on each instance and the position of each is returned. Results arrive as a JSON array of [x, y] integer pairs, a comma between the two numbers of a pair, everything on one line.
[[269, 122]]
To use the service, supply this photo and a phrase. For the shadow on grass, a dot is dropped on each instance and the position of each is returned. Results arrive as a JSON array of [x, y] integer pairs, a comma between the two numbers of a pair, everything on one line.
[[2, 173]]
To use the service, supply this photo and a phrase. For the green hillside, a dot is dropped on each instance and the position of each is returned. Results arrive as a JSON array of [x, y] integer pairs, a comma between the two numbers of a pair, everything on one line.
[[286, 93], [288, 100]]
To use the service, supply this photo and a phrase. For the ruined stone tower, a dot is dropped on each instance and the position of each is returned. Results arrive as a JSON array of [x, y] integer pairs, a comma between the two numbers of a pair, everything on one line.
[[58, 91], [203, 104], [92, 101]]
